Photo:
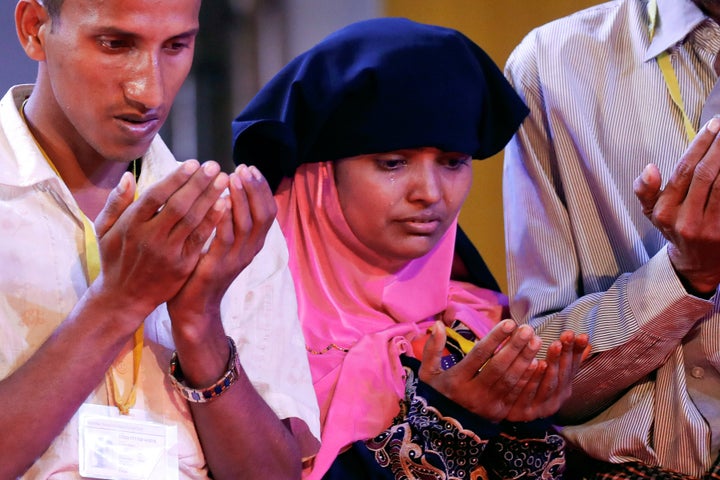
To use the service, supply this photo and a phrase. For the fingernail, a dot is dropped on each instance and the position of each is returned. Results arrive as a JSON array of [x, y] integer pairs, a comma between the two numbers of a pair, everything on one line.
[[525, 332], [714, 125], [189, 166], [237, 183], [255, 172], [211, 168], [507, 326], [436, 327], [220, 182], [124, 183], [220, 204], [244, 172], [645, 174]]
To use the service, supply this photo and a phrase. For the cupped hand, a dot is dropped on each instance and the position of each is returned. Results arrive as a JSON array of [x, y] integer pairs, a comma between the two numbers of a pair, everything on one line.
[[500, 378], [149, 247], [489, 379], [687, 209], [551, 383], [246, 218]]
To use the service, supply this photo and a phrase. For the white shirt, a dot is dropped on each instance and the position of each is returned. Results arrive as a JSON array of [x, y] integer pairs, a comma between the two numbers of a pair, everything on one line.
[[42, 277]]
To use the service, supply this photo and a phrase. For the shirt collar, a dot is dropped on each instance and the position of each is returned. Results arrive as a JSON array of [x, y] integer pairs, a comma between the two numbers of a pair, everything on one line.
[[675, 20], [25, 165]]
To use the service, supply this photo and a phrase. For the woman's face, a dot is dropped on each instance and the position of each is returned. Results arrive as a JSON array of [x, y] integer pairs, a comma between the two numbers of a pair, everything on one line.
[[400, 203]]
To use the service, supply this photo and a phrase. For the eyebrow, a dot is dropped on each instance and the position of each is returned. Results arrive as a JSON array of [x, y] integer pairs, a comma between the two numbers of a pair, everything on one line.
[[110, 30]]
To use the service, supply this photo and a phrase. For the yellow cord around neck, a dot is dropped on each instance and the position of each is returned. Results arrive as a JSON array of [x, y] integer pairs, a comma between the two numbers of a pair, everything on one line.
[[92, 270], [668, 72]]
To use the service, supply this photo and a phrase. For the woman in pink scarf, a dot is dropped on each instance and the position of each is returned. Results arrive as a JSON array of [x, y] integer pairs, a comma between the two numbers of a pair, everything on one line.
[[367, 140]]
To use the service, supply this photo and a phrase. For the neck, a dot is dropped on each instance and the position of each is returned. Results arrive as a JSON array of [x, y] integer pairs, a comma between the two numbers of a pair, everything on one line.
[[91, 199], [89, 177], [90, 189], [711, 8]]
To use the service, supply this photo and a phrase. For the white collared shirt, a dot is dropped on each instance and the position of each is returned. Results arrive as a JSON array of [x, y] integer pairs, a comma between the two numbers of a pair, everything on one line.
[[42, 277]]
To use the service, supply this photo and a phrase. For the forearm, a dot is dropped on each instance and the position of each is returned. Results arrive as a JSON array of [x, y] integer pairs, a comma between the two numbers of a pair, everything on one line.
[[242, 437], [604, 377], [43, 394], [633, 327], [240, 434]]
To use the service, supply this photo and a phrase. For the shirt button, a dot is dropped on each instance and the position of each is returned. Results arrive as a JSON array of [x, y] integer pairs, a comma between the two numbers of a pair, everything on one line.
[[697, 372]]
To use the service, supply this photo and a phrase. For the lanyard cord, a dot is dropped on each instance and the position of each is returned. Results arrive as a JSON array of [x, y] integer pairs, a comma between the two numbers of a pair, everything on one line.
[[669, 75], [92, 264]]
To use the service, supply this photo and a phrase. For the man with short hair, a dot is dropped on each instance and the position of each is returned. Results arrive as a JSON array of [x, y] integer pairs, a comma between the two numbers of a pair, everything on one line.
[[149, 329]]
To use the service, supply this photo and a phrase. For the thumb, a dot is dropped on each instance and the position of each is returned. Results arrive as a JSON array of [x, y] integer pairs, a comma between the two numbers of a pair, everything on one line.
[[647, 188], [119, 199], [432, 353]]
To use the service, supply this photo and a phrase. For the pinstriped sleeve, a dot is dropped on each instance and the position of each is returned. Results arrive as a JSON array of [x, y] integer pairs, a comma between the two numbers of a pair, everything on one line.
[[569, 267]]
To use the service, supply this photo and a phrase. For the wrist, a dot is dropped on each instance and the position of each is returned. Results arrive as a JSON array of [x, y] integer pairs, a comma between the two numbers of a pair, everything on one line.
[[202, 353], [193, 313], [119, 315], [204, 394], [114, 299], [693, 279], [698, 286]]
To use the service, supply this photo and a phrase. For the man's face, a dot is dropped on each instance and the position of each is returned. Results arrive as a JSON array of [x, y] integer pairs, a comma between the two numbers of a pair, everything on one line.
[[114, 67]]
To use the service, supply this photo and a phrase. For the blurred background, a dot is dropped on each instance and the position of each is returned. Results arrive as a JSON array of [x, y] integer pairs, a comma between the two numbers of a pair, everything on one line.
[[242, 43]]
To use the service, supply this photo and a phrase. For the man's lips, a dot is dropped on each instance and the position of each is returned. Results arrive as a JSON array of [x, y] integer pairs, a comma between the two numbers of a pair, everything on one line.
[[139, 125]]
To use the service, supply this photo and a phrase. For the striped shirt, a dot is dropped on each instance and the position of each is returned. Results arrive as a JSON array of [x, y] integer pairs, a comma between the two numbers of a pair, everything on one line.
[[582, 256]]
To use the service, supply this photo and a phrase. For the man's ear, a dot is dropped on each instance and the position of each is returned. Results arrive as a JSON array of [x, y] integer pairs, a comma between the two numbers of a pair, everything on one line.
[[32, 22]]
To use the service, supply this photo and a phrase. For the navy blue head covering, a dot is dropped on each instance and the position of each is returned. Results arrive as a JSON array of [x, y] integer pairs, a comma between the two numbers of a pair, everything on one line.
[[375, 86]]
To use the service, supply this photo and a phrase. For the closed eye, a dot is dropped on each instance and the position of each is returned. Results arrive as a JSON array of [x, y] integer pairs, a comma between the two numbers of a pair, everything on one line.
[[456, 161], [115, 44]]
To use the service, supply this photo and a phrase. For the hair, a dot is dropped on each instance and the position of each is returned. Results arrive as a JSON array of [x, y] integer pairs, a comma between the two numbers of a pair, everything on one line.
[[52, 7]]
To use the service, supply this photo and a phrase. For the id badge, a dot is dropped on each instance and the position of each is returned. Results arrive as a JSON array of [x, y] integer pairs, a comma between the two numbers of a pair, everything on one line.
[[125, 447]]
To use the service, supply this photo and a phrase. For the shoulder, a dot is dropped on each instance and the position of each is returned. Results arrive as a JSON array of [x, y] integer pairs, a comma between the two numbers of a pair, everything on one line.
[[573, 53], [583, 33]]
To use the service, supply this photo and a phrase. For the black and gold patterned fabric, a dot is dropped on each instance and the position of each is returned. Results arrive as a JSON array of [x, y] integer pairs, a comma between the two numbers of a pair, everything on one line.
[[433, 438]]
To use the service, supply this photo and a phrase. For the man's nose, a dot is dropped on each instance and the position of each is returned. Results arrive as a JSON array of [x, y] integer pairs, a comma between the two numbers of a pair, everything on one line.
[[145, 86]]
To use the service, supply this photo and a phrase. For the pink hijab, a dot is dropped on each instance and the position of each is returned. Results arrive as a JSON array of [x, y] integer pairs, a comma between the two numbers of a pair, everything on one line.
[[357, 316]]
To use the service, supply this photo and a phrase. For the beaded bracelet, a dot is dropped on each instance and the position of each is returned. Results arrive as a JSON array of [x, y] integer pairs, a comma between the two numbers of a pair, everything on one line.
[[204, 395]]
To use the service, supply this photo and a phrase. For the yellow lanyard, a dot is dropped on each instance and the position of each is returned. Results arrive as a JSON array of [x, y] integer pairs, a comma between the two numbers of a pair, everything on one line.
[[92, 261], [663, 60]]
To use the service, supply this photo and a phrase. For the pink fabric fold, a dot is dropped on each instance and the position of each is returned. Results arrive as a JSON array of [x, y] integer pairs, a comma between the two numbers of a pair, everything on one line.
[[358, 316]]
